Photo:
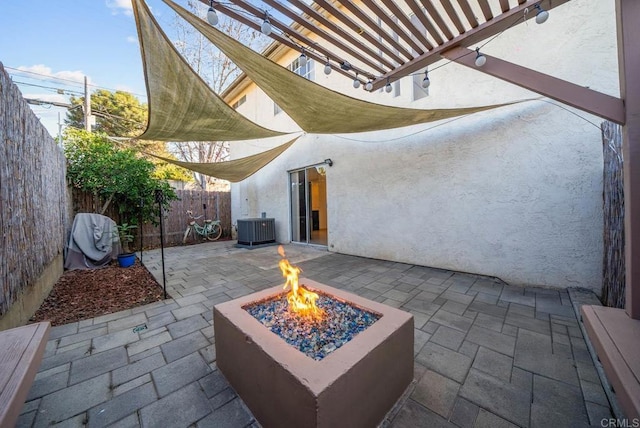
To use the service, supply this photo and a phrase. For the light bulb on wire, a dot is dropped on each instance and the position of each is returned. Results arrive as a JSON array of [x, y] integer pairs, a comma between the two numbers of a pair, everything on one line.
[[426, 82], [302, 59], [542, 15], [387, 87], [265, 27], [212, 16], [368, 86], [356, 82], [327, 68], [480, 59]]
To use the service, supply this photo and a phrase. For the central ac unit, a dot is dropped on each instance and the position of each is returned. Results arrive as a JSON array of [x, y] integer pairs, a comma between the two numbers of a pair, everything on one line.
[[256, 231]]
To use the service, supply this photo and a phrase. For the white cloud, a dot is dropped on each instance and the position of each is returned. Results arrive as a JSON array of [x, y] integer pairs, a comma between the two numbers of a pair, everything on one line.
[[120, 6], [43, 72], [132, 39]]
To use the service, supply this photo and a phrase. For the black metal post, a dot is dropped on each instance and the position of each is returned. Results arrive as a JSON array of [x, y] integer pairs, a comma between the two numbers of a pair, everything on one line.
[[141, 234], [159, 200]]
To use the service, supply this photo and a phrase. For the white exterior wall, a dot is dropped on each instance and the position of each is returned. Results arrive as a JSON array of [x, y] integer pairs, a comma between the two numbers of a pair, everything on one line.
[[515, 192]]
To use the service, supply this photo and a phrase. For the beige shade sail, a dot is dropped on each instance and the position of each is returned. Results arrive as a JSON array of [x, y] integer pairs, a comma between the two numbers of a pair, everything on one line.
[[233, 170], [315, 108], [182, 107]]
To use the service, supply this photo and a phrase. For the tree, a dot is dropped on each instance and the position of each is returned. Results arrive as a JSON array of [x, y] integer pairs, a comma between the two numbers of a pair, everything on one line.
[[118, 114], [114, 175], [217, 70]]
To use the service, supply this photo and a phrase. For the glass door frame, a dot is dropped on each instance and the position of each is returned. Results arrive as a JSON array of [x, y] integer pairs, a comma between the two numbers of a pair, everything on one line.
[[308, 210]]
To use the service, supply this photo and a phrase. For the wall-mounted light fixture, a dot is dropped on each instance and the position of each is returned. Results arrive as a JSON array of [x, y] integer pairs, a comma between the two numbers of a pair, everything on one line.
[[328, 162]]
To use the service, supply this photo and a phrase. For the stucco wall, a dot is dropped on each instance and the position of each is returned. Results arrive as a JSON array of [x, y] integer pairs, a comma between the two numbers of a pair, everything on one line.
[[515, 192]]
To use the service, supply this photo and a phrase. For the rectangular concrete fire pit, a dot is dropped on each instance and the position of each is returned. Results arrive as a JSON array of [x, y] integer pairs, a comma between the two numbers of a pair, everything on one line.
[[355, 385]]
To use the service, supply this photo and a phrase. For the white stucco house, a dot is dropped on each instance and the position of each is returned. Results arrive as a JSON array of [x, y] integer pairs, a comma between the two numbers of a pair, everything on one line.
[[514, 192]]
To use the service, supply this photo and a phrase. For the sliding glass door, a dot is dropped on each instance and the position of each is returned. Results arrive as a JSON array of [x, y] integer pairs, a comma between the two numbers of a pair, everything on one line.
[[308, 189]]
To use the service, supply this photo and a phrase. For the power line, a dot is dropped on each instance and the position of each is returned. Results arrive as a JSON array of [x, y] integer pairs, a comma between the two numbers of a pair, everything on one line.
[[58, 90], [75, 82]]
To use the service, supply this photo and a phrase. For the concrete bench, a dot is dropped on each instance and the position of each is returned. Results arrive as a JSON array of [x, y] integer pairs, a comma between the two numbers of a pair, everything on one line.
[[21, 351]]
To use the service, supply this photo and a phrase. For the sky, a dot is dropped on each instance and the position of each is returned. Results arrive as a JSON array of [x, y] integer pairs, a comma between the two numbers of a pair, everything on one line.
[[63, 41]]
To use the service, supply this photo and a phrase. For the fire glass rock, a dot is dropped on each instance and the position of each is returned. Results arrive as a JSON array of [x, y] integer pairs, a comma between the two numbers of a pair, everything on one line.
[[340, 323]]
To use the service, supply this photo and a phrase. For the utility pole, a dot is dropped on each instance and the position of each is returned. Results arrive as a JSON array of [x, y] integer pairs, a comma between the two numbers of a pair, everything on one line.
[[59, 130], [87, 106]]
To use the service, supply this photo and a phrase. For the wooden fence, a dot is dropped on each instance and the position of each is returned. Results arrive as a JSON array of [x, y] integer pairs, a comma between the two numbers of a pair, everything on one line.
[[33, 195], [175, 218], [613, 285]]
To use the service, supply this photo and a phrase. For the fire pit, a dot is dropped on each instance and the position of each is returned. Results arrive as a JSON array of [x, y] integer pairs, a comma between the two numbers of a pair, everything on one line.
[[337, 378]]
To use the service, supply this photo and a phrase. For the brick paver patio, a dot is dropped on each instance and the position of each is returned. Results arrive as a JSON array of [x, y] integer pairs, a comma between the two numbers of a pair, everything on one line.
[[487, 354]]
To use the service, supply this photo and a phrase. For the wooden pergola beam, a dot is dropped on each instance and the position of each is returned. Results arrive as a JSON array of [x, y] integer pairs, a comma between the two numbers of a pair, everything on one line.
[[628, 18], [306, 23], [316, 49], [283, 40], [399, 32], [340, 31], [473, 36], [605, 106], [414, 31], [358, 29]]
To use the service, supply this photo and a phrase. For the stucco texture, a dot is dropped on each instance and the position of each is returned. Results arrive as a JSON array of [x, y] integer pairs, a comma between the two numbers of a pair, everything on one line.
[[514, 193]]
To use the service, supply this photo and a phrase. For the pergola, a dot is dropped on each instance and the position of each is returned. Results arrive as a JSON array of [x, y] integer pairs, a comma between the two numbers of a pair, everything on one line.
[[348, 35]]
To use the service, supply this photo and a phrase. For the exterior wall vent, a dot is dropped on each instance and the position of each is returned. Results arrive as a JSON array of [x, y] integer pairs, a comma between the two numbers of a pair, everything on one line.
[[256, 231]]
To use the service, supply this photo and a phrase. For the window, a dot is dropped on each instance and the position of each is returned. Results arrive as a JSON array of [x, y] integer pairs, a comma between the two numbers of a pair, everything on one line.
[[307, 71], [238, 103]]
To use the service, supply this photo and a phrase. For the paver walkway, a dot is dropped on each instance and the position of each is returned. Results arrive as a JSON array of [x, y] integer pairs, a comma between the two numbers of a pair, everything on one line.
[[487, 354]]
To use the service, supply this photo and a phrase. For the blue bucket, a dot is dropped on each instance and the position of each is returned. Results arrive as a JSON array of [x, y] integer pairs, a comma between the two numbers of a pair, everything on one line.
[[126, 260]]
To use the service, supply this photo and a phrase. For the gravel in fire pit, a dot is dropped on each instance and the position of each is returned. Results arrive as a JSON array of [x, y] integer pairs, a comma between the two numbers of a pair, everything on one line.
[[315, 338]]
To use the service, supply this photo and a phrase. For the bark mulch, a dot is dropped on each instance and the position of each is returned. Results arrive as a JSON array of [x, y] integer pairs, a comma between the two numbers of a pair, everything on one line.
[[82, 294]]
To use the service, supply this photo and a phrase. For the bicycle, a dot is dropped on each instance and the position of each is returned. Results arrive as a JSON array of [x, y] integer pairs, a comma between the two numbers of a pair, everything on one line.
[[211, 230]]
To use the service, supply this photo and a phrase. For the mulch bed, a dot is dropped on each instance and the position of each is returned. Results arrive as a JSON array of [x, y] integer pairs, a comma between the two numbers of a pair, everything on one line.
[[82, 294]]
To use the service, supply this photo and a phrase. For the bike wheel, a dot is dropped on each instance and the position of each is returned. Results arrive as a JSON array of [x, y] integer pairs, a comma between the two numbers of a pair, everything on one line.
[[214, 232], [186, 235]]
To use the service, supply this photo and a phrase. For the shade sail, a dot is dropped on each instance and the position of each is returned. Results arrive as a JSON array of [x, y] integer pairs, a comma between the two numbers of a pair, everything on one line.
[[182, 107], [233, 170], [314, 108]]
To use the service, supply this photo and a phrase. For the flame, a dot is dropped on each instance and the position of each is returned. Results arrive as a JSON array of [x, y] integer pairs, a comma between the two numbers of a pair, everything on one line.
[[301, 300]]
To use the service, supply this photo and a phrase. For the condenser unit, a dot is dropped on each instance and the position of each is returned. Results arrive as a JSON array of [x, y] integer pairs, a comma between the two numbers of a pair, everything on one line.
[[256, 231]]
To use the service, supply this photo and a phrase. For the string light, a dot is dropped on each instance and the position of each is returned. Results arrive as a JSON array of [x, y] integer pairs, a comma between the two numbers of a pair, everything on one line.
[[388, 87], [542, 15], [302, 59], [265, 27], [356, 82], [426, 82], [212, 16], [327, 68], [480, 59]]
